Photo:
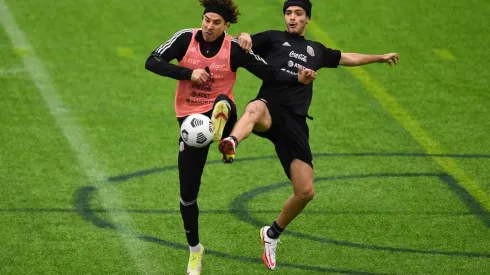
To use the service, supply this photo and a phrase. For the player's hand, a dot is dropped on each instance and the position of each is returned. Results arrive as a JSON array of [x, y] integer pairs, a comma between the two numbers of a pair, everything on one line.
[[245, 41], [306, 76], [199, 76], [390, 58]]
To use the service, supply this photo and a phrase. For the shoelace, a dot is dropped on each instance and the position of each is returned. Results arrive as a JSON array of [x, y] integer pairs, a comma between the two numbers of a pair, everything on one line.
[[194, 260], [273, 253], [273, 247]]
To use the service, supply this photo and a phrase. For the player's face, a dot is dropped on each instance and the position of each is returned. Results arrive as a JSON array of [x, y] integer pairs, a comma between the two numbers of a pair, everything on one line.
[[213, 26], [296, 20]]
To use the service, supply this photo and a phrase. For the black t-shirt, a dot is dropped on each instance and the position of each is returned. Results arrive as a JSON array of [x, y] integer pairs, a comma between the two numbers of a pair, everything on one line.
[[286, 51]]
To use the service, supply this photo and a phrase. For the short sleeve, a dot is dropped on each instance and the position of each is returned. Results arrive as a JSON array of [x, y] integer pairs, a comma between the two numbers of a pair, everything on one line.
[[330, 57]]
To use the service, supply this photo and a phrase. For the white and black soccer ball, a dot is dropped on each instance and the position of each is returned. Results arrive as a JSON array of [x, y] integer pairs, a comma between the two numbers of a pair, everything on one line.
[[197, 130]]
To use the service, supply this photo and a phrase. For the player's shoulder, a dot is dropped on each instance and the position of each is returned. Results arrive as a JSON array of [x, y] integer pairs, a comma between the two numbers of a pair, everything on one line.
[[183, 33], [317, 45], [181, 37], [237, 50], [313, 43], [190, 30], [271, 33], [274, 32]]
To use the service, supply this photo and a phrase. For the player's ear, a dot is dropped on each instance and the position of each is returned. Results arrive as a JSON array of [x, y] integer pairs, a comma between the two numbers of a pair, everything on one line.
[[227, 25]]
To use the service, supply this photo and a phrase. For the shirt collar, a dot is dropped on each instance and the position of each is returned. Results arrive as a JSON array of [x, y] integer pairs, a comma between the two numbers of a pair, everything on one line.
[[200, 39], [294, 36]]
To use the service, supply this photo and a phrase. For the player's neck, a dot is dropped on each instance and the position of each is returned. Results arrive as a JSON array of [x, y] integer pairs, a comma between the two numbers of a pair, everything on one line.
[[297, 35]]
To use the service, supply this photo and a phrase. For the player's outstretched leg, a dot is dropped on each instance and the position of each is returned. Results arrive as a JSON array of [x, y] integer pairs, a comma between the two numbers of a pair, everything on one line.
[[301, 174], [195, 261], [255, 118]]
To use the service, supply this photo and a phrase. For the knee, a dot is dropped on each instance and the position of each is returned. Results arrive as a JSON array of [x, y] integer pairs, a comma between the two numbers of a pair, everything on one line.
[[305, 194], [188, 200], [255, 109], [188, 196]]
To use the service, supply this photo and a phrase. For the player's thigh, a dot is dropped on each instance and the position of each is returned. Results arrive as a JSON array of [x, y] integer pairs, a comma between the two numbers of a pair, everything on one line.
[[298, 155]]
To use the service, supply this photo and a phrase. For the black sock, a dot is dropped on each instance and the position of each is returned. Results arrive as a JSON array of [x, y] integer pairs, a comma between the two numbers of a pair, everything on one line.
[[274, 231], [190, 216]]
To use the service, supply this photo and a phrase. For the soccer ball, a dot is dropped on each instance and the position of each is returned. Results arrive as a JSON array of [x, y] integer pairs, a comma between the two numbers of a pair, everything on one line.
[[197, 130]]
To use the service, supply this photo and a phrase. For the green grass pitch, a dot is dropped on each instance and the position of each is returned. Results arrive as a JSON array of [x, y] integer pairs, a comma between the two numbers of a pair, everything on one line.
[[88, 144]]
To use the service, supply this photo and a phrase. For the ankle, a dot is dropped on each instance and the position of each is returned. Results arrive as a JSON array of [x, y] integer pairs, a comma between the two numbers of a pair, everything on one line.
[[195, 248], [235, 140], [274, 231]]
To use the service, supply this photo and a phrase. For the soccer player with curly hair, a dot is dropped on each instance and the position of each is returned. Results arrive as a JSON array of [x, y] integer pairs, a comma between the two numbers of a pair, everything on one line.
[[208, 59]]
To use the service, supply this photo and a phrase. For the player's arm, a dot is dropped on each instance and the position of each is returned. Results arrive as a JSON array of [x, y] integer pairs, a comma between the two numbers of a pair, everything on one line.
[[258, 67], [174, 48], [258, 42], [358, 59], [333, 58]]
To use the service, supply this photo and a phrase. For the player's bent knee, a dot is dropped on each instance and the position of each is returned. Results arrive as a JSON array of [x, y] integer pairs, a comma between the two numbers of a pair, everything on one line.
[[258, 113], [255, 110], [306, 194]]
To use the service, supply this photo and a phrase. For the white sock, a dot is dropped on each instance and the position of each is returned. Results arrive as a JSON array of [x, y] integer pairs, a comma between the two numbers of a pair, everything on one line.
[[196, 248]]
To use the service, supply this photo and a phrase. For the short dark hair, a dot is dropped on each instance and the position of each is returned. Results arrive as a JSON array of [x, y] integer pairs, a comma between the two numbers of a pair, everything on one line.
[[228, 5], [305, 4]]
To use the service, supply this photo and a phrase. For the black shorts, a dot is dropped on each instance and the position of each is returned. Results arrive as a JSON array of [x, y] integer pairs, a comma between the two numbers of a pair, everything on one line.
[[290, 135]]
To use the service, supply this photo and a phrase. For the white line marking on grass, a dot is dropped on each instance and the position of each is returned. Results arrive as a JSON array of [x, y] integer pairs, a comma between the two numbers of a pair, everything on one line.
[[12, 71], [74, 135], [445, 54], [124, 52]]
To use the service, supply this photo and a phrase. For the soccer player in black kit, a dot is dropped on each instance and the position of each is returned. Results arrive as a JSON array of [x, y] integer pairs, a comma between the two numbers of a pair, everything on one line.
[[279, 112]]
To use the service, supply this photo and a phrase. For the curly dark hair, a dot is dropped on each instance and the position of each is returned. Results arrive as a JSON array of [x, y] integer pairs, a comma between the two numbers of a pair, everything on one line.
[[226, 4]]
